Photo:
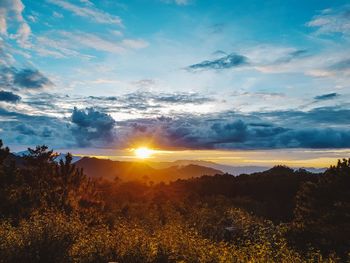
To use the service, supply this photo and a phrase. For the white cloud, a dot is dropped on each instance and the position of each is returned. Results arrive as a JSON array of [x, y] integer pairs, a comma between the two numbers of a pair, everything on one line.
[[116, 33], [134, 43], [94, 42], [178, 2], [11, 12], [65, 44], [182, 2], [57, 15], [57, 48], [332, 21], [88, 12], [32, 18], [23, 35], [3, 23]]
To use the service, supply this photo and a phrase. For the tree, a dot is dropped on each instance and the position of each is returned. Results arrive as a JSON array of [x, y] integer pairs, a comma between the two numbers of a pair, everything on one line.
[[41, 183], [322, 213]]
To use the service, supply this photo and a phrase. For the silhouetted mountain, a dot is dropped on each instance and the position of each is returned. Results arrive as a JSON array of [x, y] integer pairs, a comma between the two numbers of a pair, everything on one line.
[[234, 170], [179, 164], [130, 171]]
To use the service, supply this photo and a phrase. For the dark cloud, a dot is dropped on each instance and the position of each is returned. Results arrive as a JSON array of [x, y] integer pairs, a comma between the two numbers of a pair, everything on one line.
[[147, 102], [236, 131], [230, 61], [300, 53], [219, 53], [341, 65], [84, 128], [31, 79], [31, 130], [323, 127], [270, 130], [46, 132], [25, 129], [181, 98], [165, 98], [11, 77], [322, 116], [6, 77], [326, 96], [110, 98], [92, 127], [9, 96], [316, 138]]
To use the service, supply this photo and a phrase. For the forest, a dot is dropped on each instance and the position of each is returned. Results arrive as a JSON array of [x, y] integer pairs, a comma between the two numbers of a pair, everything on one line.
[[52, 212]]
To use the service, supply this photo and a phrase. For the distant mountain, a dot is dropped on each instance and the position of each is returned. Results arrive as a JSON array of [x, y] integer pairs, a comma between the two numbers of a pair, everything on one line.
[[234, 170], [60, 156], [129, 171], [179, 169], [314, 170]]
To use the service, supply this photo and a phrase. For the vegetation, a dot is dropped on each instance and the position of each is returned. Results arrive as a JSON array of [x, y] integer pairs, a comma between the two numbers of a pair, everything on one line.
[[51, 212]]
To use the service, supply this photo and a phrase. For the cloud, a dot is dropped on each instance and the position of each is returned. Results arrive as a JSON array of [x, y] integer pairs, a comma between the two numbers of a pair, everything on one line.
[[342, 65], [230, 61], [177, 2], [134, 43], [31, 79], [145, 103], [155, 121], [322, 116], [201, 132], [337, 69], [25, 129], [9, 96], [182, 2], [26, 78], [3, 22], [92, 127], [166, 98], [10, 12], [230, 130], [63, 44], [326, 96], [88, 12], [235, 131], [30, 130], [84, 128], [316, 138], [292, 55], [23, 35], [331, 21], [92, 41], [57, 14]]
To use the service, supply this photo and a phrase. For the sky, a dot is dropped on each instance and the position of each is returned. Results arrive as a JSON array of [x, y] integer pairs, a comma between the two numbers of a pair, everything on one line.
[[237, 82]]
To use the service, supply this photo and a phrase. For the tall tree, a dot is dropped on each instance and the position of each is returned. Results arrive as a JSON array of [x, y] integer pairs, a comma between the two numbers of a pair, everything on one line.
[[322, 213]]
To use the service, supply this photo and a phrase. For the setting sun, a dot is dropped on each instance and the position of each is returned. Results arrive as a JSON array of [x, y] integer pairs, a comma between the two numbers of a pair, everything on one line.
[[143, 152]]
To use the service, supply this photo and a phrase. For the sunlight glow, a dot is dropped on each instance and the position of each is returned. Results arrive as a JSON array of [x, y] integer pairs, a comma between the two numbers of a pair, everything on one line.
[[143, 152]]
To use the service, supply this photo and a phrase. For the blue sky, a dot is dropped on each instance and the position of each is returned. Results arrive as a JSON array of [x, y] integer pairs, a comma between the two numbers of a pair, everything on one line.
[[177, 74]]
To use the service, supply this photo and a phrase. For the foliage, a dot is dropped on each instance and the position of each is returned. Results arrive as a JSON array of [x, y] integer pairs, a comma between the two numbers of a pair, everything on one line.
[[41, 182], [50, 212], [322, 213]]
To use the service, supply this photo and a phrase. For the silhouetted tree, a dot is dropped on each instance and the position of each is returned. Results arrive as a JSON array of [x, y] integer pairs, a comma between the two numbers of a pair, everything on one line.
[[322, 213]]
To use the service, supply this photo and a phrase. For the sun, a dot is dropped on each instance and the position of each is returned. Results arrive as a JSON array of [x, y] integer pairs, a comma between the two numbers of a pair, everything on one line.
[[143, 152]]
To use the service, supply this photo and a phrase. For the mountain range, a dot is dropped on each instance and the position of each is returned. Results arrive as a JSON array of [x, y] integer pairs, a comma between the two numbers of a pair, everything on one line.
[[158, 171], [130, 171]]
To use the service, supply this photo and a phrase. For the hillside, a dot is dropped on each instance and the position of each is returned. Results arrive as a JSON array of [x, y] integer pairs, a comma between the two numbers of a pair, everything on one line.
[[231, 169], [130, 171]]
